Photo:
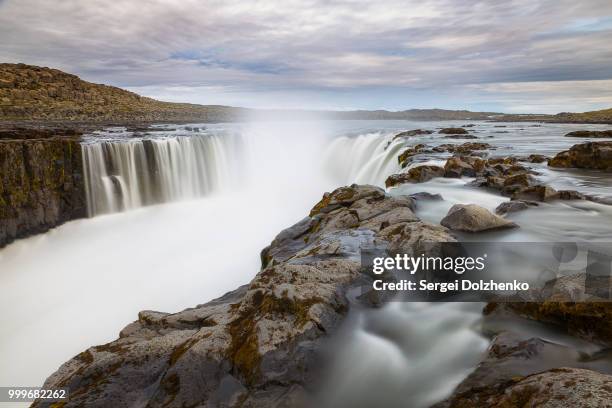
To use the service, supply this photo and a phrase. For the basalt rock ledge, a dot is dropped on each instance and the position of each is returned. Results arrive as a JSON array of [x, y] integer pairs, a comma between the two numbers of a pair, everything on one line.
[[256, 346]]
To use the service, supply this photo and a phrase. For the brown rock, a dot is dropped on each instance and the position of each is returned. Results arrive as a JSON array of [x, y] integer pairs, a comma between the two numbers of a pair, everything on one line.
[[406, 156], [417, 174], [474, 218], [453, 131], [591, 155]]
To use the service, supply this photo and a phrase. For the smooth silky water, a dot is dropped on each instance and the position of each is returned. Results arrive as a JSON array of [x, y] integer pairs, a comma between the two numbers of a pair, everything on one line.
[[179, 217]]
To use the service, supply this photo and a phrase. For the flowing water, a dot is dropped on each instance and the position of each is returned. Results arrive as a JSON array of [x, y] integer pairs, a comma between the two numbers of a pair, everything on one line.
[[179, 216]]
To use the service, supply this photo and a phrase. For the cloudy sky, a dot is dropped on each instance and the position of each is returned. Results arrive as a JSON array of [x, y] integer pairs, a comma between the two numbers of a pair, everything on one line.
[[511, 55]]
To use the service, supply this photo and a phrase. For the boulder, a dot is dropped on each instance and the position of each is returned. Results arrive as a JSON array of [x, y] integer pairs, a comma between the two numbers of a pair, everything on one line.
[[591, 133], [459, 166], [453, 131], [474, 218], [417, 174], [257, 345], [536, 193], [514, 206], [517, 182], [591, 155]]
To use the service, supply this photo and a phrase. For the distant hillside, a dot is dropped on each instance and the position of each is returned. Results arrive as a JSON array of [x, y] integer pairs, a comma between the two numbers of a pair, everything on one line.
[[417, 114], [31, 93], [35, 93], [601, 116]]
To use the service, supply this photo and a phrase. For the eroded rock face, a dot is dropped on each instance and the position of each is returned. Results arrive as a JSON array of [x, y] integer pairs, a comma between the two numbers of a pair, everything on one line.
[[417, 174], [592, 155], [41, 185], [255, 346], [474, 218]]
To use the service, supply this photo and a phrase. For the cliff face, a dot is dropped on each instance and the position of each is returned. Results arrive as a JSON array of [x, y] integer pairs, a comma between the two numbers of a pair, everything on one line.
[[41, 185], [36, 93]]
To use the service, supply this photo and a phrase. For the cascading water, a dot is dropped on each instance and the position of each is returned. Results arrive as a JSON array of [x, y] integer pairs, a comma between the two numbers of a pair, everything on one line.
[[179, 255], [368, 158], [124, 174]]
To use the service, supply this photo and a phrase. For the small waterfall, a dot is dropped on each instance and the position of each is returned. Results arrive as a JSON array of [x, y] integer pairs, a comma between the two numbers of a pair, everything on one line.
[[367, 159], [123, 174]]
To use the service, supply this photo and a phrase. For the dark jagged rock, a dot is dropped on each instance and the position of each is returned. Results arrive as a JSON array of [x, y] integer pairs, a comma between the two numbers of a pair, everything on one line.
[[417, 174], [41, 185], [474, 218], [514, 206], [453, 131], [255, 346], [591, 133], [591, 155]]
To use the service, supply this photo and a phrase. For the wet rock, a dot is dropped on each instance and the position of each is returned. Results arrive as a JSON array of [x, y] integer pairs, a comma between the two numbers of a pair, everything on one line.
[[406, 156], [453, 131], [570, 195], [536, 193], [410, 133], [474, 218], [256, 346], [591, 133], [514, 206], [417, 174], [459, 166], [518, 372], [591, 155], [424, 195], [517, 182], [536, 158], [577, 304]]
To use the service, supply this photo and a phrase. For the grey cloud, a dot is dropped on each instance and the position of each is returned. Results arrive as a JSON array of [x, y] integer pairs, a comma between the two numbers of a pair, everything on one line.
[[331, 47]]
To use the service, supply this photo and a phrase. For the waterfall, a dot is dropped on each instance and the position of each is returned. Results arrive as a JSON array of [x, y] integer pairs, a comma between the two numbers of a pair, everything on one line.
[[367, 159], [123, 174]]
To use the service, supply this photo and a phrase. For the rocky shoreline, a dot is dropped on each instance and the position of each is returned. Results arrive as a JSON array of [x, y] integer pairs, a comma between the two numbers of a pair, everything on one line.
[[258, 345]]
